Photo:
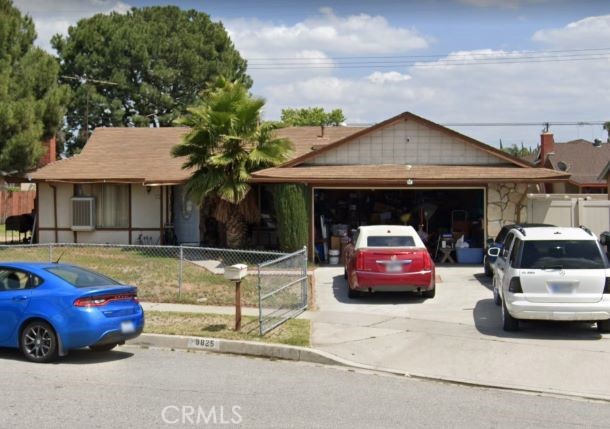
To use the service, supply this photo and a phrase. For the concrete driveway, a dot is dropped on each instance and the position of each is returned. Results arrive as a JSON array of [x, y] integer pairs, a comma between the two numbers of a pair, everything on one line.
[[458, 336]]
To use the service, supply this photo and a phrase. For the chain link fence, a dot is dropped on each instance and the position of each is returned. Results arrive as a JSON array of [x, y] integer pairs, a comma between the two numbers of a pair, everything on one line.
[[191, 275], [282, 288]]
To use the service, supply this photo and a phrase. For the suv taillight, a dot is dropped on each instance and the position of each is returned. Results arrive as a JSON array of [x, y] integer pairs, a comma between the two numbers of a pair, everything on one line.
[[607, 286], [515, 285], [359, 260]]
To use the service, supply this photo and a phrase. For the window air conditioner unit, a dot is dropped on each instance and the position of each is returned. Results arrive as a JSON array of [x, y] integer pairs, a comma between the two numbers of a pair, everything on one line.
[[83, 214]]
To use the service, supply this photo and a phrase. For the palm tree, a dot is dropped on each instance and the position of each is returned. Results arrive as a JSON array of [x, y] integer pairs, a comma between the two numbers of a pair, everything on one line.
[[228, 141], [607, 128]]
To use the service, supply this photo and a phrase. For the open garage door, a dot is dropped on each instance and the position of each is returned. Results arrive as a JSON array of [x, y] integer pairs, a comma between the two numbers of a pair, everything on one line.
[[441, 215]]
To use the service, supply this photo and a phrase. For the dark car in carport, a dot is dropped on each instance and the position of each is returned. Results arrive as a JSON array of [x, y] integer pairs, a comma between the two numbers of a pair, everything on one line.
[[499, 242]]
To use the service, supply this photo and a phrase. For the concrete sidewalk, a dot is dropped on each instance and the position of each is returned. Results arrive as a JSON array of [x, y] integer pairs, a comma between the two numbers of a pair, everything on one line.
[[196, 308], [458, 336]]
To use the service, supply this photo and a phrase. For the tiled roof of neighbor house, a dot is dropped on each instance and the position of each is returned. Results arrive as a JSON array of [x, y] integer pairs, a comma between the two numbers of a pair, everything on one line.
[[142, 155], [584, 160], [395, 174]]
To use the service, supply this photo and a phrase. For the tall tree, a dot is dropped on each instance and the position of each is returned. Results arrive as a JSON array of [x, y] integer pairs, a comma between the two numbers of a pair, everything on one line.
[[518, 151], [159, 59], [228, 141], [32, 104], [312, 116]]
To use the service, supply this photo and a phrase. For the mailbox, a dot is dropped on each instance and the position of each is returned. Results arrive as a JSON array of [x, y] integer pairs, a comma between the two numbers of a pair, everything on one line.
[[236, 272]]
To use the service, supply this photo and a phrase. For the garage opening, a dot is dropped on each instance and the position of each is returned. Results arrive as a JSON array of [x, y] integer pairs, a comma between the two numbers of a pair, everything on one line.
[[448, 220]]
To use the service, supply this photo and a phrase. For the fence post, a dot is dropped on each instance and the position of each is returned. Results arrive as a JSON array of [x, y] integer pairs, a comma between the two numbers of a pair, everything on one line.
[[50, 252], [306, 281], [260, 302], [180, 271]]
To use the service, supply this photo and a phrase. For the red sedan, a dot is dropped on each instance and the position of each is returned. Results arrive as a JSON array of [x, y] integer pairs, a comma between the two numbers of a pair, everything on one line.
[[389, 258]]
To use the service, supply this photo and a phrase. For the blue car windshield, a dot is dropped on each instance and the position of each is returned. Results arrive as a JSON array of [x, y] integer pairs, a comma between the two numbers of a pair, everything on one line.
[[79, 277]]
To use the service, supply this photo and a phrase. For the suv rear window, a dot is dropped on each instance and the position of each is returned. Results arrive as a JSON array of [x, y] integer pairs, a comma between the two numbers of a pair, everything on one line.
[[390, 241], [566, 254]]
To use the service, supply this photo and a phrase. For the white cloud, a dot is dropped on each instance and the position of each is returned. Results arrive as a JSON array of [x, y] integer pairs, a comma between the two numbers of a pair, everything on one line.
[[52, 17], [393, 76], [591, 32], [360, 34]]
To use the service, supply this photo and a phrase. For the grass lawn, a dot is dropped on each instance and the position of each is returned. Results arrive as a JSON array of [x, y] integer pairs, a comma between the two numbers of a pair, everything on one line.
[[294, 332], [153, 271]]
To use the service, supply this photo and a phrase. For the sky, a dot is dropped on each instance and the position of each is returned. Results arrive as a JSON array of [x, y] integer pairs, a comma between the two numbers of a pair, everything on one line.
[[450, 61]]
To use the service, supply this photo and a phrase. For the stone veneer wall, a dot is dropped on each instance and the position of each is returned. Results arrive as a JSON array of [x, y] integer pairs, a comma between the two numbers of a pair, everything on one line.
[[502, 202]]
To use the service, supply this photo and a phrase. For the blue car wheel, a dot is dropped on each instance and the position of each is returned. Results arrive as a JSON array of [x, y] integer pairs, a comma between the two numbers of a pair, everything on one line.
[[39, 342]]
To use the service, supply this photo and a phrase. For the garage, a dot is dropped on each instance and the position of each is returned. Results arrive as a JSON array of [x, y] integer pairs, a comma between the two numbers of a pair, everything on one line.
[[408, 170], [442, 216]]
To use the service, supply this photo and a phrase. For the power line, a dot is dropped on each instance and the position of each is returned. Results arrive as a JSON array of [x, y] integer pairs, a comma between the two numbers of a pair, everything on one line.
[[467, 55], [429, 64]]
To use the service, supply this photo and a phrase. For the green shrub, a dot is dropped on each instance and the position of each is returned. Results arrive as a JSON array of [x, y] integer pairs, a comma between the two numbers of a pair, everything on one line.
[[290, 201]]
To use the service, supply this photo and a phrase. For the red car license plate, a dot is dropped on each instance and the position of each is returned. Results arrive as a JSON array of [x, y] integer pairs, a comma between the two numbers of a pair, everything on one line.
[[394, 267]]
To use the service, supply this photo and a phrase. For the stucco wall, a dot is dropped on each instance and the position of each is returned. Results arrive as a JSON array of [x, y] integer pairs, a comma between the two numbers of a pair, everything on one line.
[[506, 203], [145, 212], [407, 142]]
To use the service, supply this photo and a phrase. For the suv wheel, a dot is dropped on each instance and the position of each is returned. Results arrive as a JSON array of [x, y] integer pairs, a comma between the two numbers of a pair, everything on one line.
[[487, 267], [603, 326], [497, 299], [509, 323]]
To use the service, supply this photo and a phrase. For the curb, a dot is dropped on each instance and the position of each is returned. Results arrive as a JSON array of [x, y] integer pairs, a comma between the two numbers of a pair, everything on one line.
[[305, 354]]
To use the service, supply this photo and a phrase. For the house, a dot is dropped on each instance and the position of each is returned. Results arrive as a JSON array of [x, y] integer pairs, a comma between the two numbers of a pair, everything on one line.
[[125, 187], [584, 160]]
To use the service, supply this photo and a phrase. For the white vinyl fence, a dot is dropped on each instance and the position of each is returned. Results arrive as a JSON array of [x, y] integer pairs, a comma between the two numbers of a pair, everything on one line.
[[592, 211]]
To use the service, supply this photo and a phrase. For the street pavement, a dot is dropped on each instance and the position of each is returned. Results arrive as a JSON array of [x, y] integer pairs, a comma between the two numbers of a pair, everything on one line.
[[458, 336], [133, 387]]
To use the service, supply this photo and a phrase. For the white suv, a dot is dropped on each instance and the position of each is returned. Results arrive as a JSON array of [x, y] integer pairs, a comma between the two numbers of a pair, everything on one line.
[[552, 273]]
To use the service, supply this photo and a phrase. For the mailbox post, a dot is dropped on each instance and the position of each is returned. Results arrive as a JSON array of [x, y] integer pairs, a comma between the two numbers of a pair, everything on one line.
[[236, 273]]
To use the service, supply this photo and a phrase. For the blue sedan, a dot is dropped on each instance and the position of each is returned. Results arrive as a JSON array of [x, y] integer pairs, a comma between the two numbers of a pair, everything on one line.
[[47, 309]]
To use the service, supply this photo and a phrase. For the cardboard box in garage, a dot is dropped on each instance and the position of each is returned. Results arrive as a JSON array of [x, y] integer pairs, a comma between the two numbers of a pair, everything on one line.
[[335, 243]]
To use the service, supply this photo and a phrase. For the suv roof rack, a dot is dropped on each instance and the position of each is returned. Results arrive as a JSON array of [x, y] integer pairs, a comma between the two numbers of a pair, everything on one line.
[[585, 229]]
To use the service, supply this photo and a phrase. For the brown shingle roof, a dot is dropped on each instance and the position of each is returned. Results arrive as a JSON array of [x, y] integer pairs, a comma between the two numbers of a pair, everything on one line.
[[399, 174], [306, 139], [585, 162], [140, 155]]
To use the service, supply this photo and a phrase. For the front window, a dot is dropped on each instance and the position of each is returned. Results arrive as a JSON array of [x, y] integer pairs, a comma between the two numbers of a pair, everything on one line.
[[79, 277], [562, 254], [390, 241], [111, 203]]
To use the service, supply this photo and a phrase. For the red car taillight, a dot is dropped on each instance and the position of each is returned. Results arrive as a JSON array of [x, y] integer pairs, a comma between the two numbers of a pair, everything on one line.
[[101, 300], [359, 260], [427, 261]]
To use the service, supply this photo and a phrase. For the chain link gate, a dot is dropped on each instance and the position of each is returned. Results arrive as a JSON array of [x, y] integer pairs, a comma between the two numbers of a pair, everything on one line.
[[282, 289]]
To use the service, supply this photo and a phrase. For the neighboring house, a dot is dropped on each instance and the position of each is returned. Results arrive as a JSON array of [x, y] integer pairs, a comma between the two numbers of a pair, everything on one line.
[[125, 187], [411, 170], [584, 160]]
